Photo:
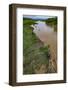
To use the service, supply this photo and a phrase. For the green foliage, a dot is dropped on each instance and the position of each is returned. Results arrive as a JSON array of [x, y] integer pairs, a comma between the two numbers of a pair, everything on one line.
[[46, 51], [28, 21], [29, 37], [52, 22]]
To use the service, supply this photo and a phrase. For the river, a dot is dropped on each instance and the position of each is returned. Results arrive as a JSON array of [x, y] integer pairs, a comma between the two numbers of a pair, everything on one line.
[[47, 35]]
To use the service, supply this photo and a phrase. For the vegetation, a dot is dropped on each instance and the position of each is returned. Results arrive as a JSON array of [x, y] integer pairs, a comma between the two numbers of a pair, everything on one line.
[[52, 22], [27, 21]]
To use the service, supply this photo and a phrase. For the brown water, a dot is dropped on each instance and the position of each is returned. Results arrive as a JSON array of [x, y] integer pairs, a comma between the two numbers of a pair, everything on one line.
[[44, 32], [47, 35]]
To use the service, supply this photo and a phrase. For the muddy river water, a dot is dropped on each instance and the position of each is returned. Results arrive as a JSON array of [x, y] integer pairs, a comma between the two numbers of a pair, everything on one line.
[[47, 35]]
